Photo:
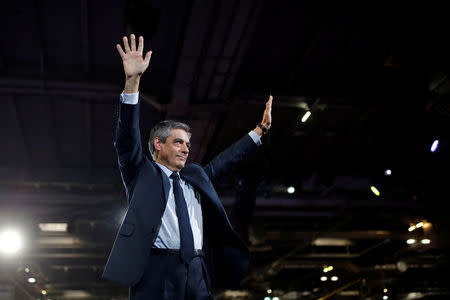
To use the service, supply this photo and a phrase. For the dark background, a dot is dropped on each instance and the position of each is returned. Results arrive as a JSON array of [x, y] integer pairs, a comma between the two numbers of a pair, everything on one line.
[[374, 75]]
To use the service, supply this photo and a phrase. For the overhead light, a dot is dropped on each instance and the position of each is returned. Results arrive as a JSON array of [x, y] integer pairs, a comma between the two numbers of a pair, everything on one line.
[[323, 278], [331, 242], [306, 116], [420, 224], [53, 227], [275, 298], [334, 278], [385, 297], [269, 291], [387, 172], [10, 241], [434, 145], [44, 292], [411, 241], [290, 190], [374, 190], [385, 290], [27, 269], [425, 241], [411, 228], [266, 298], [327, 269], [31, 280]]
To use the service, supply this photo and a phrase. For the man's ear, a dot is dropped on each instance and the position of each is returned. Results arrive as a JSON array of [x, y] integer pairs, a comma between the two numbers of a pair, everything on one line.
[[157, 143]]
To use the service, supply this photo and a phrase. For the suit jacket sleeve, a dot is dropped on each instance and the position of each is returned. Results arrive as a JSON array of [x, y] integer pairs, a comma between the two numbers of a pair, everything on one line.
[[223, 162], [128, 142]]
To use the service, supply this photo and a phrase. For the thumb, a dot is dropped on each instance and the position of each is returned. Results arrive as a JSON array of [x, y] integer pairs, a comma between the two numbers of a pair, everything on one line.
[[148, 56]]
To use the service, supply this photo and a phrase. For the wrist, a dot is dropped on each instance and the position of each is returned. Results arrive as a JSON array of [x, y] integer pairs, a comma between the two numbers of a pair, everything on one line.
[[258, 131], [132, 84], [264, 129]]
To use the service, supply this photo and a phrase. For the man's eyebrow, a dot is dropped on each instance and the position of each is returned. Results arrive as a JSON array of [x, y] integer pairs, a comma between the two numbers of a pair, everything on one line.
[[177, 140]]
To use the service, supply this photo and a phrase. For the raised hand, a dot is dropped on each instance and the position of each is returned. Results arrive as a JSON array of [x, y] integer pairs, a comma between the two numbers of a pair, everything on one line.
[[267, 116], [134, 64]]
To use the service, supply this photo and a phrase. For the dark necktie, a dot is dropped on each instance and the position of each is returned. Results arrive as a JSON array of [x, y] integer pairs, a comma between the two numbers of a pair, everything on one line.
[[186, 237]]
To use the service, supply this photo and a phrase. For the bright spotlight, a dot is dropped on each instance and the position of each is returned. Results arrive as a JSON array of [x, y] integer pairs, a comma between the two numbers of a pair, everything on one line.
[[306, 116], [31, 280], [10, 241], [425, 241], [323, 278], [374, 190], [334, 278], [290, 190], [434, 146], [411, 241], [44, 292], [388, 172], [269, 291], [275, 298]]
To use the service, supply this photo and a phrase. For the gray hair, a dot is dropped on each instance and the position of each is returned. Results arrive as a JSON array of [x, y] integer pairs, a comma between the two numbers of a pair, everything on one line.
[[162, 131]]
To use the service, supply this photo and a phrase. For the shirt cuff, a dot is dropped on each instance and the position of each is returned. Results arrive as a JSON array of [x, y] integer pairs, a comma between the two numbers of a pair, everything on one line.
[[132, 98], [255, 137]]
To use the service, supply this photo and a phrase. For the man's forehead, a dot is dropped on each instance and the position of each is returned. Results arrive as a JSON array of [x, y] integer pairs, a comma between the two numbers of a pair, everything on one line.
[[179, 133]]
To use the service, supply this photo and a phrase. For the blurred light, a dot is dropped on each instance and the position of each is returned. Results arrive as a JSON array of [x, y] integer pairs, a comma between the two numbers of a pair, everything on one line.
[[53, 227], [10, 241], [387, 172], [435, 145], [414, 295], [411, 241], [331, 242], [327, 269], [269, 291], [31, 280], [27, 270], [426, 225], [425, 241], [306, 116], [275, 298], [420, 224], [323, 278], [266, 298], [334, 278], [385, 290], [385, 297], [44, 292], [374, 190], [290, 190], [411, 228]]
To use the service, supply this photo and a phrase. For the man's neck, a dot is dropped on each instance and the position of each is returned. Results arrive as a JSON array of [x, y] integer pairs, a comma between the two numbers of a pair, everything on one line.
[[166, 165]]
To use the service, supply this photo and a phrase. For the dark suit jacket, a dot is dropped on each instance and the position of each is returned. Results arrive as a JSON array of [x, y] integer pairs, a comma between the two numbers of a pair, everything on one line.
[[147, 191]]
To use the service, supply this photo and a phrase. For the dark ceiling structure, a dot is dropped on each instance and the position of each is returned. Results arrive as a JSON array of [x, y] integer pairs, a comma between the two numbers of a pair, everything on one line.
[[373, 75]]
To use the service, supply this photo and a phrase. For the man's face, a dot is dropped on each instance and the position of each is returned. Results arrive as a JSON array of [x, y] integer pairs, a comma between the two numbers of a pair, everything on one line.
[[174, 152]]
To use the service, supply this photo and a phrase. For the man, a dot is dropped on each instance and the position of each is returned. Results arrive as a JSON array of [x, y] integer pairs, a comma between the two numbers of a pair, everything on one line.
[[176, 240]]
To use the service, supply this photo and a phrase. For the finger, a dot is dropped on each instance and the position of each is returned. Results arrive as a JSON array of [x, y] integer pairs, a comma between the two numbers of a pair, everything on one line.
[[147, 57], [120, 50], [125, 44], [140, 45], [269, 103], [133, 42]]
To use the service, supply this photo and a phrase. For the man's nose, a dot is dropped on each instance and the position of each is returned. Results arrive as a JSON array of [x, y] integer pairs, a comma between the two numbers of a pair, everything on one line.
[[185, 149]]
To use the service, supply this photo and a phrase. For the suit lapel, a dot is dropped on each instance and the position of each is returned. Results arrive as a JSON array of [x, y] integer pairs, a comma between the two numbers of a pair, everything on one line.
[[166, 184]]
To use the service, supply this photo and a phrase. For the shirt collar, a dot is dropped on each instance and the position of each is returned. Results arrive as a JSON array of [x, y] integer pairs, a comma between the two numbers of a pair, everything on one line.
[[166, 170]]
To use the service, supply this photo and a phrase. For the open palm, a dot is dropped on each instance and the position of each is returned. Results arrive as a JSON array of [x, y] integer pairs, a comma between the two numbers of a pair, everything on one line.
[[134, 64]]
